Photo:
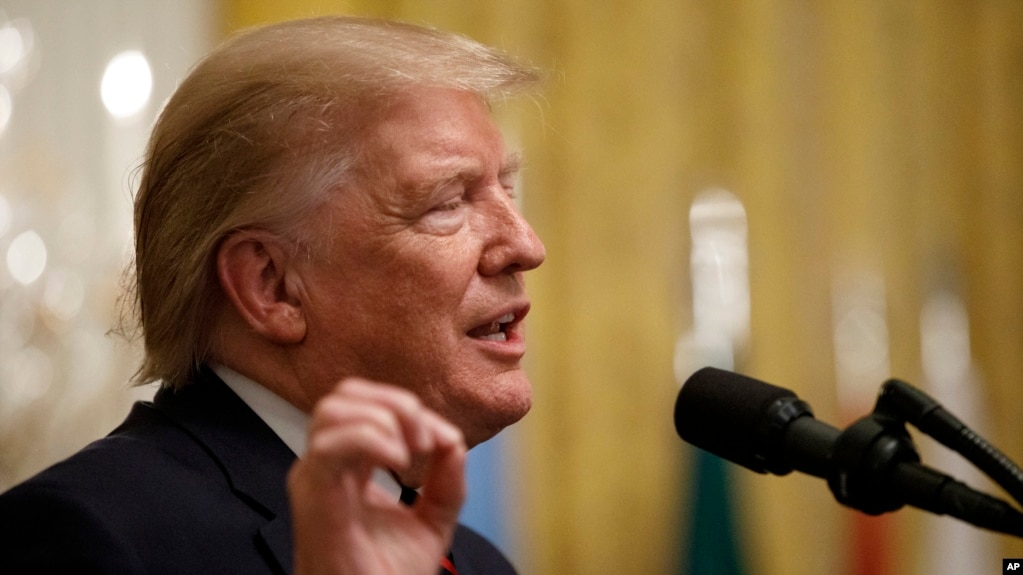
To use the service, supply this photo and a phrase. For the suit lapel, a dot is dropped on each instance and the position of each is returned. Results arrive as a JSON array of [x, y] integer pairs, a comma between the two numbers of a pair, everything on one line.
[[475, 555], [253, 458]]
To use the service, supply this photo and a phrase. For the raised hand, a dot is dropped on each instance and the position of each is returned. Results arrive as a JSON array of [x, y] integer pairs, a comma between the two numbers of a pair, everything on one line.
[[346, 524]]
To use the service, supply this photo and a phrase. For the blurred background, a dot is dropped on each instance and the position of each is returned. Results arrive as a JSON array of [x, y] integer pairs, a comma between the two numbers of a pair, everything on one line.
[[820, 194]]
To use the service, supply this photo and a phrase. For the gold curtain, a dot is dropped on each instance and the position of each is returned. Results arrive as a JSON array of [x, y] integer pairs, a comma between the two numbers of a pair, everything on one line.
[[882, 136]]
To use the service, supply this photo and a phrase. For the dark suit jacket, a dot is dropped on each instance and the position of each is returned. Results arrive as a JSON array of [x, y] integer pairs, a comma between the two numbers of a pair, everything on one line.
[[193, 482]]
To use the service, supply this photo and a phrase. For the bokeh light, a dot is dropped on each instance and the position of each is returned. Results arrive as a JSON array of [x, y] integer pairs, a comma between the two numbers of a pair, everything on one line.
[[127, 84], [5, 216], [15, 44], [28, 375], [26, 257], [6, 108], [64, 294]]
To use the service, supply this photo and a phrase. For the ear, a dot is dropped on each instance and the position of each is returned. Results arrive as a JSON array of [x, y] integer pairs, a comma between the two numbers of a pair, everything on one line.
[[255, 272]]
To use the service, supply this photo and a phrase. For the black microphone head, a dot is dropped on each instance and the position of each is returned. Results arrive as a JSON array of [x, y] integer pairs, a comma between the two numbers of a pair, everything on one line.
[[732, 416]]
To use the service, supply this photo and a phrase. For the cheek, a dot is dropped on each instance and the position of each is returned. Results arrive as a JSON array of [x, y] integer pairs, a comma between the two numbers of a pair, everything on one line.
[[439, 282], [416, 311]]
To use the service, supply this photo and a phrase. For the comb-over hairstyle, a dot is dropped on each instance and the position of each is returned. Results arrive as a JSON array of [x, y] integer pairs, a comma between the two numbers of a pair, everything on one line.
[[257, 136]]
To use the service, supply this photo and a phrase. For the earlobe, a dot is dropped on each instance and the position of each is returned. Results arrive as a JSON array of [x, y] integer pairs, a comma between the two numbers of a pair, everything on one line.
[[254, 270]]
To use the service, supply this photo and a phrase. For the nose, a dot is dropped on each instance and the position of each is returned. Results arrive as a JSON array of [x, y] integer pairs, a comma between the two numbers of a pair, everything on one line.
[[511, 244]]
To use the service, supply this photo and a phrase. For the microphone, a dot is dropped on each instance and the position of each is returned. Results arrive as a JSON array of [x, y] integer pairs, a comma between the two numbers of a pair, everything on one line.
[[760, 426], [871, 466]]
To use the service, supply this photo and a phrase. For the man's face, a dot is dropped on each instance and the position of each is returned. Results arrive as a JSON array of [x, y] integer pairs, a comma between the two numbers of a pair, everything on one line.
[[421, 281]]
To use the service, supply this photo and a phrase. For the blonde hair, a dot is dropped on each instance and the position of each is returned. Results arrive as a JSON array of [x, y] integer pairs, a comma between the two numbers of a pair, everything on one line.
[[257, 135]]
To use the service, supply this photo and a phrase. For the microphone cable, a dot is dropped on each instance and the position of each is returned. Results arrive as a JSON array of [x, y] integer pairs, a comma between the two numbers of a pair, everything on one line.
[[900, 399]]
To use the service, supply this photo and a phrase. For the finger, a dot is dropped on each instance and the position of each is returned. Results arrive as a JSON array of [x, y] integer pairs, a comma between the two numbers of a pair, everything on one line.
[[404, 404], [345, 429], [337, 411], [387, 427], [444, 490], [356, 448]]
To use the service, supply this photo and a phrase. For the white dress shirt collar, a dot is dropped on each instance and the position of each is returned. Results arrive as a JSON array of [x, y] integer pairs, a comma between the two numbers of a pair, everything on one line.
[[286, 420]]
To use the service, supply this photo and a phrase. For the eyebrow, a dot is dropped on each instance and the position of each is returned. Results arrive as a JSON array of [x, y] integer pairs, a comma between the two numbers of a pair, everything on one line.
[[511, 164]]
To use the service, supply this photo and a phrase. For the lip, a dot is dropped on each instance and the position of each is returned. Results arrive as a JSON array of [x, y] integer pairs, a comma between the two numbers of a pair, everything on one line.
[[514, 347]]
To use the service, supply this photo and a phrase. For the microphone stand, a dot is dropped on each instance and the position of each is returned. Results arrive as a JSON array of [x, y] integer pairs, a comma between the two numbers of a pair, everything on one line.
[[875, 467]]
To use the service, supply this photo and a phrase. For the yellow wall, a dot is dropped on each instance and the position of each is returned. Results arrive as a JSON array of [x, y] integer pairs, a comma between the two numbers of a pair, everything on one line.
[[859, 135]]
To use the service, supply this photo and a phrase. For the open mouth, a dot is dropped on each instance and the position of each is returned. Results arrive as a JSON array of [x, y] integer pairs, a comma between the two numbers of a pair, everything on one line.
[[496, 330]]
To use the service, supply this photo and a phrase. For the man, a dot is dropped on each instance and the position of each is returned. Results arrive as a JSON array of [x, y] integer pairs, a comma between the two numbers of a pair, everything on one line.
[[326, 240]]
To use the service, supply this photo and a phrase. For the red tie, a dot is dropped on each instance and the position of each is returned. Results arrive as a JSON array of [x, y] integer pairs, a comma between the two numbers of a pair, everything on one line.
[[447, 567]]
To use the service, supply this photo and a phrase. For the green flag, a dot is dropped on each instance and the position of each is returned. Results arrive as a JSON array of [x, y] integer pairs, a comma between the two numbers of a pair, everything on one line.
[[712, 544]]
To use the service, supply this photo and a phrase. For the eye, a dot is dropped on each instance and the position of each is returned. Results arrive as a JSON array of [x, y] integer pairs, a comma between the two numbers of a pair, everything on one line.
[[448, 196], [447, 213], [448, 206], [509, 181]]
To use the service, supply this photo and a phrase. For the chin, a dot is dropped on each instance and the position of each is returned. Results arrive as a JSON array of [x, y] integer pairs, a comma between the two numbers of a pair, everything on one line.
[[507, 406]]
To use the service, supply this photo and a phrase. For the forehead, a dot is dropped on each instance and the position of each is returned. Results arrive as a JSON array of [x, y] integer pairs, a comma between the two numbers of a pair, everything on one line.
[[432, 132]]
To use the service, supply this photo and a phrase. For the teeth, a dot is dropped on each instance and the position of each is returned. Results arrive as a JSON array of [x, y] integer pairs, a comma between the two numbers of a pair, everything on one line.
[[499, 335], [493, 331]]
